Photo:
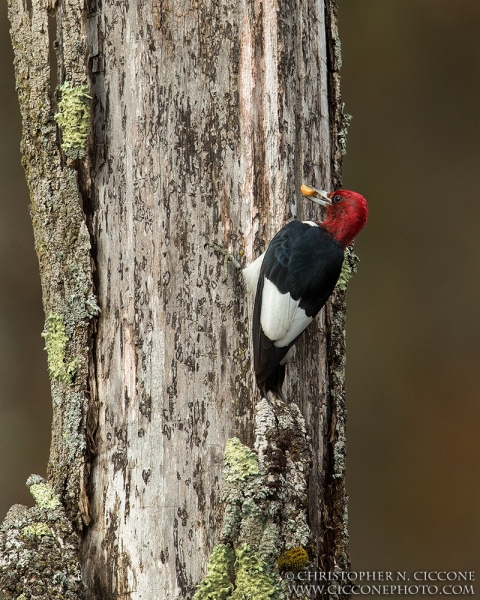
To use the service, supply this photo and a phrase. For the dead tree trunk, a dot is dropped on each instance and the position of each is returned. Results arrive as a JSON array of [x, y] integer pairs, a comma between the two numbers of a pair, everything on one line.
[[204, 119]]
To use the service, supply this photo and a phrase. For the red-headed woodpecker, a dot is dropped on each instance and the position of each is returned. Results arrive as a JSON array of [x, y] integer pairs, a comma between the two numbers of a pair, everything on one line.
[[295, 277]]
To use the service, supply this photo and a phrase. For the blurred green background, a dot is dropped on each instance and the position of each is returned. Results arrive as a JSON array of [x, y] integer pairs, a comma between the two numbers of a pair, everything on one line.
[[411, 80]]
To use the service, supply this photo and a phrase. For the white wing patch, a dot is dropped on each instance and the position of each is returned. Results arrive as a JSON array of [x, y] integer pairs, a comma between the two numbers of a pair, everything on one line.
[[251, 274], [281, 318], [300, 321], [277, 311]]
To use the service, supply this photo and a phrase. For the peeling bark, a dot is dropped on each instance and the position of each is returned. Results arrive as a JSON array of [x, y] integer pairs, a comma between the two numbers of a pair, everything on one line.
[[205, 120]]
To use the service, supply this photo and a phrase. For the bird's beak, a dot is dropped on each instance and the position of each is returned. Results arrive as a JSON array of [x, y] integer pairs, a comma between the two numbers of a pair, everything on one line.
[[318, 196]]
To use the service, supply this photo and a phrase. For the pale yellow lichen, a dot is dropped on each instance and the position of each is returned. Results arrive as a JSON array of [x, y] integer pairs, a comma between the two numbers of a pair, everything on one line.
[[37, 529], [44, 496], [73, 118], [55, 344], [216, 584], [253, 579], [349, 268], [240, 462]]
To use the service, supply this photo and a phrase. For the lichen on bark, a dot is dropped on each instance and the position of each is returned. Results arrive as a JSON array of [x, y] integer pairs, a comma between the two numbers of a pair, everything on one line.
[[73, 118], [56, 344], [216, 585], [349, 268], [265, 495], [39, 549], [62, 240]]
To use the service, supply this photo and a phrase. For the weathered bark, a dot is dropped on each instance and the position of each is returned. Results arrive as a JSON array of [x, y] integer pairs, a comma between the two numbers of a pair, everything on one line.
[[206, 118], [62, 242]]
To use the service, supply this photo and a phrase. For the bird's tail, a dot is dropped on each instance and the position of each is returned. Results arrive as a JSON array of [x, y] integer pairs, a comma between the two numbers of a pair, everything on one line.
[[273, 381]]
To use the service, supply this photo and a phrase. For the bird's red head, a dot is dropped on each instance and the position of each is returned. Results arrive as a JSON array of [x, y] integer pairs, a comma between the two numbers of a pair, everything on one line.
[[347, 214]]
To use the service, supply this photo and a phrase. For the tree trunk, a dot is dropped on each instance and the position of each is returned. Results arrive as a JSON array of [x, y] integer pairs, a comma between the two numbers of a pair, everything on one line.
[[205, 118]]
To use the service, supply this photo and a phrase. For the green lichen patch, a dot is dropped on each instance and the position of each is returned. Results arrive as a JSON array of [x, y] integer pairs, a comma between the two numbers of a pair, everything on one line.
[[349, 268], [239, 461], [254, 580], [73, 118], [216, 584], [37, 529], [55, 344], [294, 559], [44, 496], [39, 549], [265, 497]]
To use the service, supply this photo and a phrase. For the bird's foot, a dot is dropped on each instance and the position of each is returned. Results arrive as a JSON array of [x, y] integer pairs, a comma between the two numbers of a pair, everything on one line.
[[228, 257]]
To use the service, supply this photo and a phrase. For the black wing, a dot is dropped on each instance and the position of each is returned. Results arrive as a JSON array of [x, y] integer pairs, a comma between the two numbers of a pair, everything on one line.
[[304, 263]]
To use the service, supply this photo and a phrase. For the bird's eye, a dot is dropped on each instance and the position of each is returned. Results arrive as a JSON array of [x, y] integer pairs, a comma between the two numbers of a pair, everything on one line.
[[336, 198]]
